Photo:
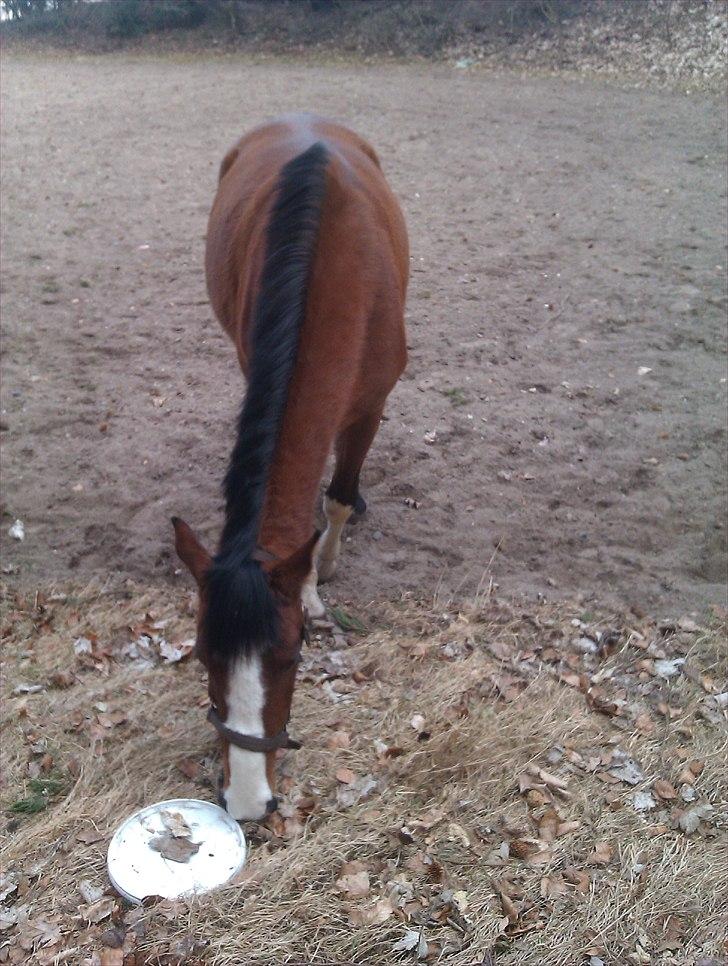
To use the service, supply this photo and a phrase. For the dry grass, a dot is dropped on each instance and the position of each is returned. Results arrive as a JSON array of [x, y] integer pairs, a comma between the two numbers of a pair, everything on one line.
[[442, 832]]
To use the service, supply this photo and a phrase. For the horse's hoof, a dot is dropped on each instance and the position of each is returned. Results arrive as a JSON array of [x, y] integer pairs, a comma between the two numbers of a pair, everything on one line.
[[360, 507], [312, 602], [326, 569]]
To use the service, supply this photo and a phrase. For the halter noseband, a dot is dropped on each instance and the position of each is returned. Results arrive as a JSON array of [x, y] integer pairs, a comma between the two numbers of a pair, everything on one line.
[[251, 742]]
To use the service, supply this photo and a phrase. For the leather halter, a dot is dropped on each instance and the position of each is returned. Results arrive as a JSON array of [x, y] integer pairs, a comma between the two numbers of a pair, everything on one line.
[[251, 742]]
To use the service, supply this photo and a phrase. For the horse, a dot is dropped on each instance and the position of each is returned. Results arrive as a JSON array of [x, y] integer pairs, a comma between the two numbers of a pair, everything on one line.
[[307, 265]]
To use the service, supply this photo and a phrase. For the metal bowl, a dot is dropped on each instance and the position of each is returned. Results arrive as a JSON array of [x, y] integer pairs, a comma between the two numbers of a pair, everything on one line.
[[136, 870]]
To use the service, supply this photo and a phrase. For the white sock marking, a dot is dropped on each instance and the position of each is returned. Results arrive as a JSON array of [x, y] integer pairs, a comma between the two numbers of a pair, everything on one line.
[[329, 546]]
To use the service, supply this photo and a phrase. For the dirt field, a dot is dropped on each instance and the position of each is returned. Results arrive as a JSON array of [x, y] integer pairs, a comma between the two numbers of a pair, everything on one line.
[[565, 239]]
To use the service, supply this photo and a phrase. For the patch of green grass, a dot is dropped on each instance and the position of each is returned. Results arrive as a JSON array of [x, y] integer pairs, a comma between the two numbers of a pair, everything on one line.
[[456, 396], [51, 286], [587, 617], [42, 792], [347, 622]]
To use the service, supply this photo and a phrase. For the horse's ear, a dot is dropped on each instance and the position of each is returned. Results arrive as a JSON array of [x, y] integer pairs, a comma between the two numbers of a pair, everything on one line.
[[189, 550], [287, 577]]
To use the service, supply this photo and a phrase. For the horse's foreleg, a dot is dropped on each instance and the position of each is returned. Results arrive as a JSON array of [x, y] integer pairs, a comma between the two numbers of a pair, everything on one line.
[[325, 555]]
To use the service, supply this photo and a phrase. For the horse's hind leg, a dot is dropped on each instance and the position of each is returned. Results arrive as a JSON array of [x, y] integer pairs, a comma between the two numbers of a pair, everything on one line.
[[343, 497]]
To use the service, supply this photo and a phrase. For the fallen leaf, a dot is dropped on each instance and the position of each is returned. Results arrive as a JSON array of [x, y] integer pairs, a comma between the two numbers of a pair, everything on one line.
[[578, 878], [8, 885], [112, 957], [547, 825], [173, 653], [28, 689], [62, 679], [348, 795], [88, 836], [176, 849], [602, 854], [665, 789], [90, 892], [189, 767], [113, 937], [643, 802], [175, 823], [339, 739], [553, 886], [354, 880], [565, 827], [668, 669], [82, 645], [509, 909], [689, 821], [523, 848], [346, 776], [96, 911], [553, 781], [573, 680], [408, 942], [626, 769], [690, 773], [372, 915], [17, 530], [644, 724]]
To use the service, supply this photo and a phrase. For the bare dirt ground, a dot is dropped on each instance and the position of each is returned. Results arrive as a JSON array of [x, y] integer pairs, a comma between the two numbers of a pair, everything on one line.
[[565, 397]]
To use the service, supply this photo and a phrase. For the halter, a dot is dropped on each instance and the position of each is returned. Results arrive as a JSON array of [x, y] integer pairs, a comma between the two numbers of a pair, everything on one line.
[[253, 742]]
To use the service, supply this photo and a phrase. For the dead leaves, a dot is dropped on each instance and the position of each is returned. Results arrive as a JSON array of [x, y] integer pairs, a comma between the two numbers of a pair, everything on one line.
[[338, 740], [143, 645], [371, 915], [353, 880], [175, 842], [665, 790], [173, 848], [353, 790], [541, 786], [691, 771], [690, 820], [96, 912], [602, 855]]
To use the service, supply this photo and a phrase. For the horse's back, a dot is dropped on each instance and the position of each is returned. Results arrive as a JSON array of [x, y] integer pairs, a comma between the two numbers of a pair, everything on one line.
[[362, 236]]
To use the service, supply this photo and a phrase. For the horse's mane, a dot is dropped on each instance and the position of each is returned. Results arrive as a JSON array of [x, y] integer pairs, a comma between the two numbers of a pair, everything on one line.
[[241, 611]]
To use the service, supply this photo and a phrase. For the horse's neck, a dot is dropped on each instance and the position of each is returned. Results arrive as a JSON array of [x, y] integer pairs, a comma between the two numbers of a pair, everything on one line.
[[298, 466]]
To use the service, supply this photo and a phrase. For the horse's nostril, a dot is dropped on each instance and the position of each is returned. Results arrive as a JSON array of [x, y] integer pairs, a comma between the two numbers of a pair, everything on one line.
[[271, 805]]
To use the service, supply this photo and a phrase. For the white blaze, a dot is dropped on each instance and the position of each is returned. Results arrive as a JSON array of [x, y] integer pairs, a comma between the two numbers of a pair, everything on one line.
[[248, 793]]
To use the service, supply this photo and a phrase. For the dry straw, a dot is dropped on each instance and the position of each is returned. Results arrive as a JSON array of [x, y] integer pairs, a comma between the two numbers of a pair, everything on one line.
[[496, 832]]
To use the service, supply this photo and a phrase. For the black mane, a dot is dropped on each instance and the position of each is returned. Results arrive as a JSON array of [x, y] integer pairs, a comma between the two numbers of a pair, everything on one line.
[[241, 611]]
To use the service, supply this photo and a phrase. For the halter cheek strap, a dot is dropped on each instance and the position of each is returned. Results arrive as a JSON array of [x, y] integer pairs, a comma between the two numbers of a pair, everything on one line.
[[251, 742]]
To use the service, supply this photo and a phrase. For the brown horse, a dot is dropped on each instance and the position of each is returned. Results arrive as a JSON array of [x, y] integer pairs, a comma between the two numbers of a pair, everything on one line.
[[307, 264]]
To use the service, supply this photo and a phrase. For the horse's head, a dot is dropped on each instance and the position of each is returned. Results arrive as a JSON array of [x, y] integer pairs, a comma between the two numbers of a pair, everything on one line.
[[250, 687]]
